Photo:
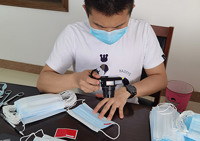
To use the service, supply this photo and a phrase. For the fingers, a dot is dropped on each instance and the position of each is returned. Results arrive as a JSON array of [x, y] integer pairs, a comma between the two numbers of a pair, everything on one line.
[[112, 111], [110, 102], [105, 109], [86, 83], [121, 112], [99, 105], [96, 75], [89, 88], [92, 81], [99, 95]]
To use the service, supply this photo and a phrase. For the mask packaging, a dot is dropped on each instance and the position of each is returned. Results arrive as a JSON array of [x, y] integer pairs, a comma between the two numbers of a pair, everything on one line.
[[34, 108], [37, 138], [85, 115]]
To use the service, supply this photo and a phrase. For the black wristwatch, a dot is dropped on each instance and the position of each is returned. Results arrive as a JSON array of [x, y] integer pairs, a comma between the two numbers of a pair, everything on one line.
[[131, 89]]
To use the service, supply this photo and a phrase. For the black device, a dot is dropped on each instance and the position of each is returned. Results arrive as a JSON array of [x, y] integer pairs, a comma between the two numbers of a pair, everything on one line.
[[131, 89], [107, 83]]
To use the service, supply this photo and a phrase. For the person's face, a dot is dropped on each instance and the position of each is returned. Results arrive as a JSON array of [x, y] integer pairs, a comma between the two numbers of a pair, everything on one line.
[[99, 21]]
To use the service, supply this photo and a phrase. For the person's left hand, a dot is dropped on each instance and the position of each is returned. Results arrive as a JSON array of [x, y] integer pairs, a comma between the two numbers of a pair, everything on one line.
[[118, 101]]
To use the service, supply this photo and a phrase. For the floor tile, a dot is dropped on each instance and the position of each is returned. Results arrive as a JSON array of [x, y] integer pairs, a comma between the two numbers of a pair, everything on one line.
[[194, 106], [18, 77], [1, 69], [149, 98]]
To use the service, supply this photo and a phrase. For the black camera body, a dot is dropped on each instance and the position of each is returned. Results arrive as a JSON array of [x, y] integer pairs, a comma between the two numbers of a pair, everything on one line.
[[107, 83]]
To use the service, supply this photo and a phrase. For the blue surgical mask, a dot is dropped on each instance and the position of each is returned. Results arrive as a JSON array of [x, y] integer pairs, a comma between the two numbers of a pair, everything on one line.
[[192, 122], [195, 124], [34, 108], [164, 123], [108, 37], [84, 114]]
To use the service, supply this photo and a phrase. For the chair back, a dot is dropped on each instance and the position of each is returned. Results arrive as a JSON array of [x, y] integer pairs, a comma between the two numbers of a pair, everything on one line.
[[164, 35]]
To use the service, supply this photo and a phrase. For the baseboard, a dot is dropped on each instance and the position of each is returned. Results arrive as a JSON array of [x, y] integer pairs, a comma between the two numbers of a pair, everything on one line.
[[30, 68], [20, 66], [194, 97]]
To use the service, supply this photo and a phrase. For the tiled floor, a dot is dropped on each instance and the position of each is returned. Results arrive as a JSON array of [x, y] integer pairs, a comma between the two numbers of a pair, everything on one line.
[[18, 77], [29, 79], [194, 106]]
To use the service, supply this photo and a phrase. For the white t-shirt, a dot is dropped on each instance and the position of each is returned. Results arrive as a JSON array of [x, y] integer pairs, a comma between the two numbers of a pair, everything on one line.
[[137, 48]]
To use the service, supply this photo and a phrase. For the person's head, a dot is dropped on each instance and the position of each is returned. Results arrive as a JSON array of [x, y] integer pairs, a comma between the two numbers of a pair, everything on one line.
[[108, 15], [109, 7]]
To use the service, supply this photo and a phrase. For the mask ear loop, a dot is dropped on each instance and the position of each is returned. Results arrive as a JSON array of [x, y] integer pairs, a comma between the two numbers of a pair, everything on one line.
[[169, 105], [68, 108], [27, 137], [113, 138], [178, 119], [23, 125], [10, 112], [40, 130]]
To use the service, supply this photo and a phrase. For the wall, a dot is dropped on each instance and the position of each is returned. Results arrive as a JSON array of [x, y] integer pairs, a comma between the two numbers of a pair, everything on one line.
[[184, 15], [27, 35]]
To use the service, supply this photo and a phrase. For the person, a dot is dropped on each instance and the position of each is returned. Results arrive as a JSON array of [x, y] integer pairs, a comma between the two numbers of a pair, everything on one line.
[[110, 37]]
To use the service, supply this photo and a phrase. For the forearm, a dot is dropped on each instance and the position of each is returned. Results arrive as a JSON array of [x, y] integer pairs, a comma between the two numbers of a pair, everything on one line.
[[150, 85], [51, 82]]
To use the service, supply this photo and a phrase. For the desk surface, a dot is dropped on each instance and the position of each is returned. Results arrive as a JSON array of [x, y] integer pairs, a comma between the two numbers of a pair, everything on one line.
[[134, 126]]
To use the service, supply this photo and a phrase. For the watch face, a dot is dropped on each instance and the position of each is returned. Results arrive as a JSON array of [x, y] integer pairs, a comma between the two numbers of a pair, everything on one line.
[[131, 89]]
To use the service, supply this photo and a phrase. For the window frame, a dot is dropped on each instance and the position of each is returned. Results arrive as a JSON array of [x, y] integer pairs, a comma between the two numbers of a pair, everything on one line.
[[61, 5]]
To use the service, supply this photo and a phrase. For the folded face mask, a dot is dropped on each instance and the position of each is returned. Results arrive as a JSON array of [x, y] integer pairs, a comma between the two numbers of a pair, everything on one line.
[[37, 138], [165, 123], [85, 115], [192, 121], [195, 124], [38, 107]]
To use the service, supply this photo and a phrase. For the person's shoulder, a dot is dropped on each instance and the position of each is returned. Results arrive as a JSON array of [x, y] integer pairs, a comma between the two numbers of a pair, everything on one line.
[[138, 22], [139, 25], [77, 26]]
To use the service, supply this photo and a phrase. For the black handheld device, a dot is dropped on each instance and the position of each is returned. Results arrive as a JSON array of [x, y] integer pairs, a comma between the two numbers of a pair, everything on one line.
[[107, 83]]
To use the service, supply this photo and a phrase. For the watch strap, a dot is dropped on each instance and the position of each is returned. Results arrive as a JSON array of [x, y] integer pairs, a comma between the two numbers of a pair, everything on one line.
[[131, 89]]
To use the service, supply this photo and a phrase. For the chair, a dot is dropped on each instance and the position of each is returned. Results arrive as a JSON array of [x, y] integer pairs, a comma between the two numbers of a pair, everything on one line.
[[164, 35]]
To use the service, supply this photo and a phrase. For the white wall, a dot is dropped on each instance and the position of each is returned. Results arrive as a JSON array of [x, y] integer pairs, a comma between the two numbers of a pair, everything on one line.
[[27, 35]]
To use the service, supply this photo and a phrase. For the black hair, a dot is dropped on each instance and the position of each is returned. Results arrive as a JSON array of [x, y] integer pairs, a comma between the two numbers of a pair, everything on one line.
[[109, 7]]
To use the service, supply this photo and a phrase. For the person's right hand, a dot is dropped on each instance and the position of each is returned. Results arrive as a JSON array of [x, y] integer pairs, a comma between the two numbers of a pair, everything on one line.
[[85, 82]]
